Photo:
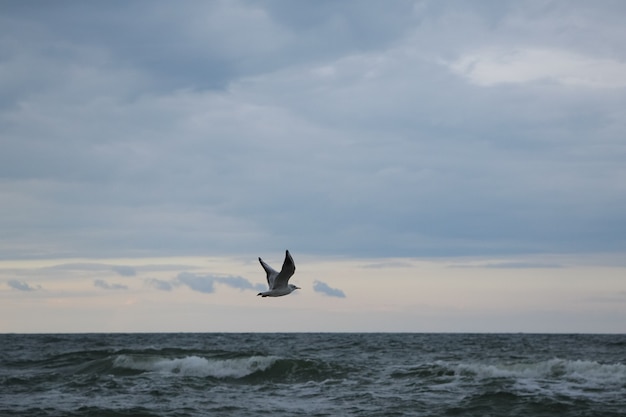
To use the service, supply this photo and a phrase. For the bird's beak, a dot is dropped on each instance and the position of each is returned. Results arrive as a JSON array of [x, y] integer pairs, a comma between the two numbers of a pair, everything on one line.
[[297, 288]]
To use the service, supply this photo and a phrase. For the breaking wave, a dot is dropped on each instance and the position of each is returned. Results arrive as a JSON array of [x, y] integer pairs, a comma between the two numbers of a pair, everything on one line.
[[575, 370], [312, 374], [550, 378], [250, 368], [196, 366], [553, 369]]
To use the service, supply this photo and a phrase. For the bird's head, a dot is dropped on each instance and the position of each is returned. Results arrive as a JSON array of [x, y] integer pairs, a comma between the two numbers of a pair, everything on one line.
[[293, 287]]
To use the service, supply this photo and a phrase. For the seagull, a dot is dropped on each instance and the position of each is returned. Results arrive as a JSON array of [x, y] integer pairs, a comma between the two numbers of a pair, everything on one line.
[[279, 281]]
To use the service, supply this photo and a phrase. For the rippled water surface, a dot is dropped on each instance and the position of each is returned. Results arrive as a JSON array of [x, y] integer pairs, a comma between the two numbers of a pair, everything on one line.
[[312, 374]]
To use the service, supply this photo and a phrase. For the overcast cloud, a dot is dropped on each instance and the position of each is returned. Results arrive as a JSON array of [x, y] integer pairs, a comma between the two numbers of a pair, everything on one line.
[[356, 128]]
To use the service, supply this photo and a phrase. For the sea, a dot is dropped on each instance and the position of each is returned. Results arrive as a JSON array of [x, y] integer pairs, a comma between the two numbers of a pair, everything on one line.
[[312, 374]]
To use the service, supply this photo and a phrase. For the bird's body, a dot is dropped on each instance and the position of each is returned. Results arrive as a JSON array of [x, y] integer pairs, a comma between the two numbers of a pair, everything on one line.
[[278, 282]]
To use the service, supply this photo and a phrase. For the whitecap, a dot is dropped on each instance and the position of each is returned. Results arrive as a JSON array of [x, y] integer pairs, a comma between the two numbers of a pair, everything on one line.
[[196, 366], [573, 378], [553, 369]]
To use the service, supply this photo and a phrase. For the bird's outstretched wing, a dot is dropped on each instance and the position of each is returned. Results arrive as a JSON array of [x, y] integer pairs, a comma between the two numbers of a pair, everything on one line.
[[288, 269], [271, 273]]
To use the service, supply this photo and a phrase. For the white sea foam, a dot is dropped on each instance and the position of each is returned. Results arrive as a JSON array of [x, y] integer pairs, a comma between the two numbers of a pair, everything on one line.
[[197, 366], [574, 378], [578, 370]]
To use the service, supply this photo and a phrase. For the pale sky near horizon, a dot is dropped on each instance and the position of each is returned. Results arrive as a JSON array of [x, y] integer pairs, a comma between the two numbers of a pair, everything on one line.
[[431, 165]]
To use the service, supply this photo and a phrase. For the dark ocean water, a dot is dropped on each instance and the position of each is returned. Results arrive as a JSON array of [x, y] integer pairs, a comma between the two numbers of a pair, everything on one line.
[[312, 374]]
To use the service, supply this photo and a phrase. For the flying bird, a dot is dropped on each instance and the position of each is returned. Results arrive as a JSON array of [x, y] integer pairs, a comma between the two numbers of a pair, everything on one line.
[[278, 282]]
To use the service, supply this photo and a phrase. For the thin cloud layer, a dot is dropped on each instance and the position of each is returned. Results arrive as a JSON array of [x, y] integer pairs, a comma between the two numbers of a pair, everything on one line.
[[511, 265], [413, 129], [206, 283], [493, 67], [323, 288], [122, 270], [20, 285], [125, 271], [106, 286], [160, 284]]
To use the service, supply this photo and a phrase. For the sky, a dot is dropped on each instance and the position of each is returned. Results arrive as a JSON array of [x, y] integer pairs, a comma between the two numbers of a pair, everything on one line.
[[436, 166]]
